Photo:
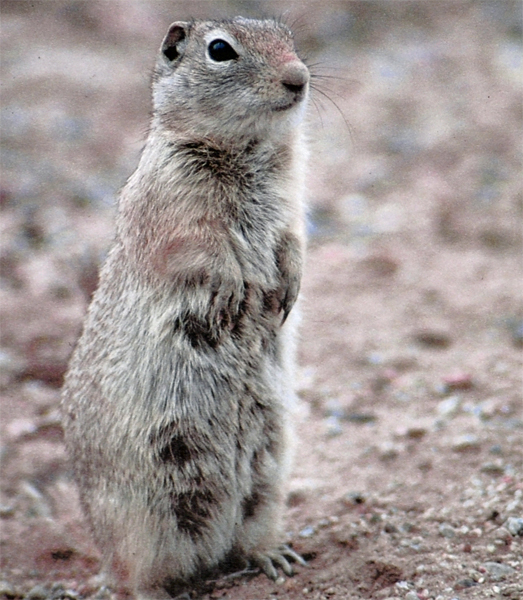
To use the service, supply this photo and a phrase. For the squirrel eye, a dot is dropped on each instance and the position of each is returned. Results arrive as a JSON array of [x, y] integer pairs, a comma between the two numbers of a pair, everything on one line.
[[220, 51]]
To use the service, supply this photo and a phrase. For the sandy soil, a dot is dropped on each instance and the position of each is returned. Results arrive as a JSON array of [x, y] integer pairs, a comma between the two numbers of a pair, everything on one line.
[[408, 481]]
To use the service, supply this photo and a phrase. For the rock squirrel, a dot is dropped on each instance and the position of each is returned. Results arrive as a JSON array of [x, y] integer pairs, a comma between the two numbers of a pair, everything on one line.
[[176, 403]]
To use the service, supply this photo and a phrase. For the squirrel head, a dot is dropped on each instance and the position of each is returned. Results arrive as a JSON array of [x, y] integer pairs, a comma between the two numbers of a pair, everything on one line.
[[233, 79]]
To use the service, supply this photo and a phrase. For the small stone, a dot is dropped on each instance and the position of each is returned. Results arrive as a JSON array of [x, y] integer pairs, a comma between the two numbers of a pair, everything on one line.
[[463, 584], [38, 592], [411, 596], [6, 511], [494, 469], [7, 590], [360, 418], [104, 593], [355, 498], [296, 497], [515, 526], [466, 443], [496, 449], [59, 592], [402, 585], [380, 265], [516, 332], [511, 506], [416, 433], [19, 428], [449, 407], [388, 451], [502, 535], [433, 338], [39, 505], [458, 381], [333, 408], [498, 571], [333, 426], [307, 532], [447, 530]]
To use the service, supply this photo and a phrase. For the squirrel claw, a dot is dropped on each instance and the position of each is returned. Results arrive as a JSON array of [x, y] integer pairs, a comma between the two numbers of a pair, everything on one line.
[[265, 560]]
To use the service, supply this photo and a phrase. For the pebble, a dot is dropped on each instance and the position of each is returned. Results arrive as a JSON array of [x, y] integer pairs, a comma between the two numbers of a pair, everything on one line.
[[6, 589], [333, 426], [458, 381], [402, 585], [38, 592], [492, 469], [39, 506], [415, 433], [307, 532], [432, 338], [19, 428], [6, 511], [466, 443], [59, 592], [463, 584], [355, 498], [333, 408], [447, 530], [498, 571], [388, 451], [104, 593], [360, 417], [515, 525], [516, 332], [411, 596], [501, 536], [449, 407]]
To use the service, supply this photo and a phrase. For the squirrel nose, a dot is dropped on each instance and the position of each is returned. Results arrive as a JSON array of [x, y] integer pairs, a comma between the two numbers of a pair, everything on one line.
[[295, 76]]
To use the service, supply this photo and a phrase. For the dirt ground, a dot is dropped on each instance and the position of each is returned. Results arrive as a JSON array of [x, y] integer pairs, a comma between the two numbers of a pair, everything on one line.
[[408, 481]]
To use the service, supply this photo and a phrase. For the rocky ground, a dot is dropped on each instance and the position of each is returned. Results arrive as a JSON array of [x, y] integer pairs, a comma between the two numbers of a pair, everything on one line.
[[408, 481]]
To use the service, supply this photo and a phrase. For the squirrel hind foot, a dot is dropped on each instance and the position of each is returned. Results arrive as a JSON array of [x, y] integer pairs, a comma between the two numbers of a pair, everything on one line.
[[280, 557]]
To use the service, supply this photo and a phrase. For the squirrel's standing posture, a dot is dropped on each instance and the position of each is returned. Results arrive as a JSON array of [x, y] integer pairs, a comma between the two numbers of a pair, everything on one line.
[[176, 402]]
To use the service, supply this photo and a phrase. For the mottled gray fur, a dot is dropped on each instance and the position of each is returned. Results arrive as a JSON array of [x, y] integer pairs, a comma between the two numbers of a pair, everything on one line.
[[176, 404]]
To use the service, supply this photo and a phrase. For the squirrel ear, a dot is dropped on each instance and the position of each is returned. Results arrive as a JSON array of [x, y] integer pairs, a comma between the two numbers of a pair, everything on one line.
[[171, 43]]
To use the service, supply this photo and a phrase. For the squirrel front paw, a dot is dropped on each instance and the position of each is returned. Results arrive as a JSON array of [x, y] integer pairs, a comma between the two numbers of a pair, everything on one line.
[[227, 294]]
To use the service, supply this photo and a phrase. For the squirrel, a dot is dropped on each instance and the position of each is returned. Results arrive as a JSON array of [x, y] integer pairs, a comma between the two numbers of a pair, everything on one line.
[[177, 404]]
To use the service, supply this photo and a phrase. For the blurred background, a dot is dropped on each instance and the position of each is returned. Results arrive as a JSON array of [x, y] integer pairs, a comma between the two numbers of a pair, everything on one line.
[[409, 95], [413, 291], [414, 122]]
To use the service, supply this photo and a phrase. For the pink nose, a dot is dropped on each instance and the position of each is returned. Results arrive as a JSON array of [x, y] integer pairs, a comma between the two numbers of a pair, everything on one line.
[[295, 76]]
